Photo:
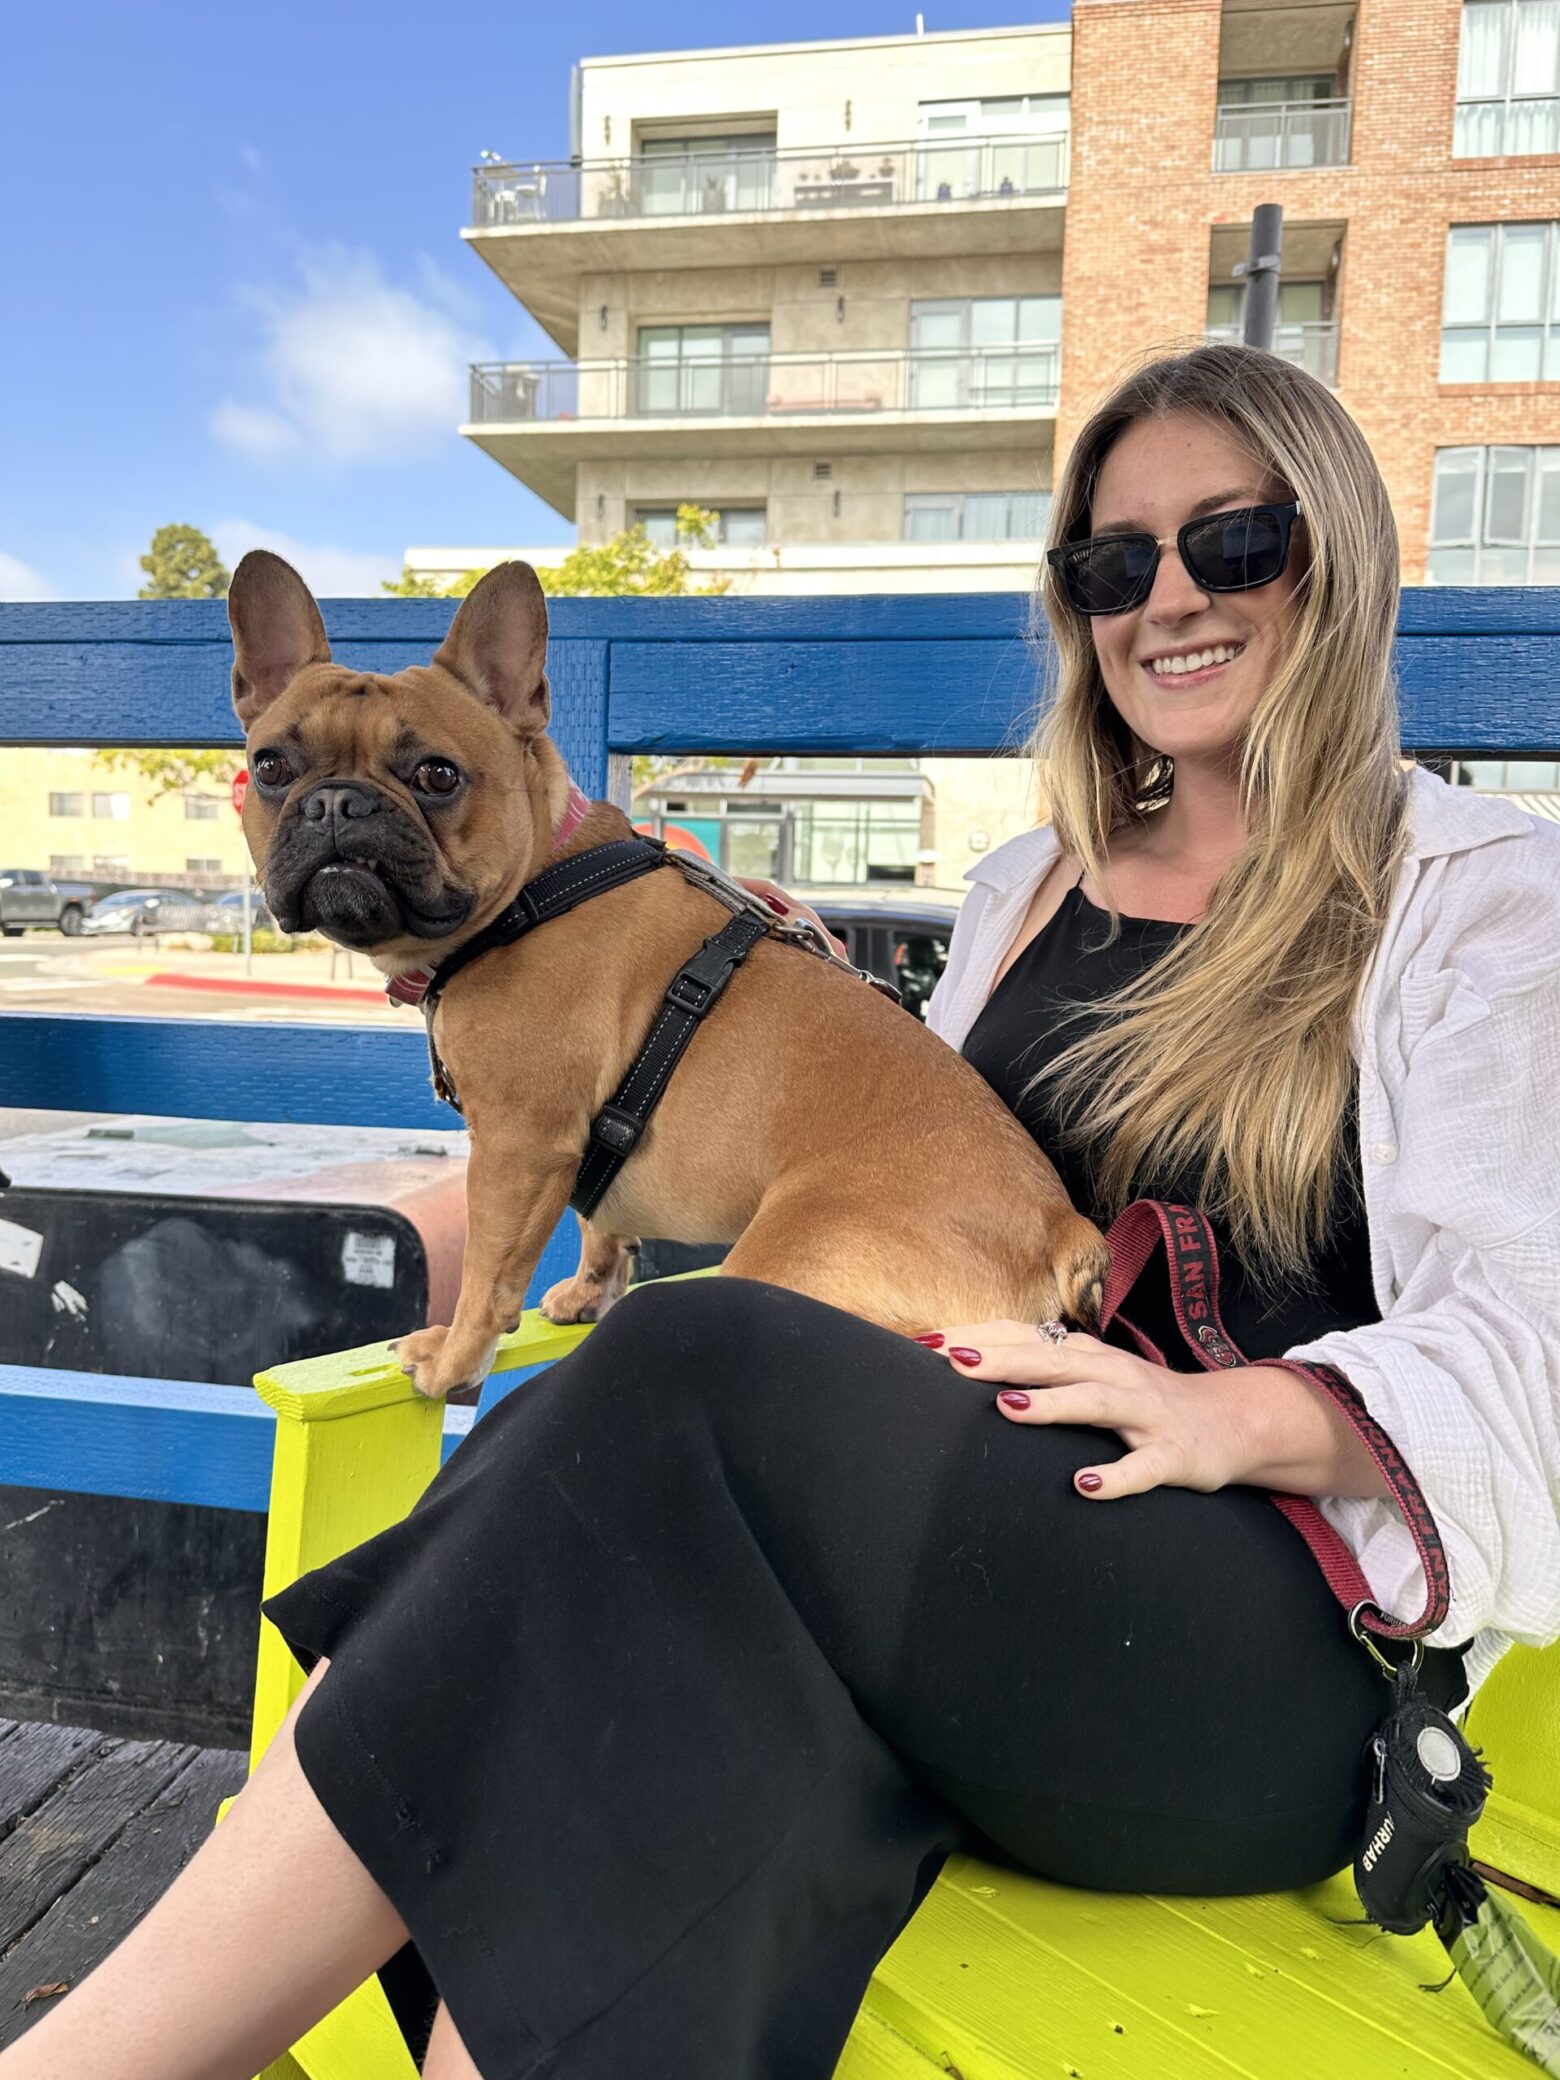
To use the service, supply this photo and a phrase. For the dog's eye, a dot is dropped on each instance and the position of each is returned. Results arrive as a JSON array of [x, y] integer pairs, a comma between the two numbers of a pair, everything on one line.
[[271, 769], [436, 776]]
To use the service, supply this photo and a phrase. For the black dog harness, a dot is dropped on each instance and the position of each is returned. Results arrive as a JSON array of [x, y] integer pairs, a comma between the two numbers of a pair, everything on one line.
[[690, 996]]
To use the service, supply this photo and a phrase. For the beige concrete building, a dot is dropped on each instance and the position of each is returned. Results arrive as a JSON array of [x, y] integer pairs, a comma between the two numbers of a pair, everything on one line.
[[77, 819], [816, 287]]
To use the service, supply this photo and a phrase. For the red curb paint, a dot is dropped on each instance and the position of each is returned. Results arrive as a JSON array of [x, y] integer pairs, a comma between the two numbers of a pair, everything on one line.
[[237, 985]]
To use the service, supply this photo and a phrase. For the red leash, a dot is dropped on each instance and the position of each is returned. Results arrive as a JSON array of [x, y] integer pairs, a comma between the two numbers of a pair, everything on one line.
[[1192, 1260]]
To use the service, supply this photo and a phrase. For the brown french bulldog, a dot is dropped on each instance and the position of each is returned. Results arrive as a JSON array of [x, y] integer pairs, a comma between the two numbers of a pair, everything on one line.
[[836, 1145]]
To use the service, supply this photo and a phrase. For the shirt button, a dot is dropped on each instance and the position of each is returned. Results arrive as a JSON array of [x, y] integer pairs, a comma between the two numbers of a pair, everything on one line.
[[1384, 1152]]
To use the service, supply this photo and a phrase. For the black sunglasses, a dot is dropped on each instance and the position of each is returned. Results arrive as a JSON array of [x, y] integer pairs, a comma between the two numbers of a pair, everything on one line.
[[1227, 552]]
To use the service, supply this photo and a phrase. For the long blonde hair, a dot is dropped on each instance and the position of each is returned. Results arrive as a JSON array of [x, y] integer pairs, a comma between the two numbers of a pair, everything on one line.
[[1232, 1053]]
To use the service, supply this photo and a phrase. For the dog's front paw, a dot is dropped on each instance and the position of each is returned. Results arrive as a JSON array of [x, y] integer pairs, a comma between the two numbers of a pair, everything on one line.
[[432, 1367]]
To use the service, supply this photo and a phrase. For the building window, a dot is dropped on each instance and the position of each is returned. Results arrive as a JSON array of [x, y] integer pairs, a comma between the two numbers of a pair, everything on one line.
[[975, 352], [843, 841], [1012, 144], [695, 176], [702, 369], [67, 804], [201, 808], [67, 863], [202, 866], [1509, 775], [1306, 332], [736, 527], [115, 865], [1508, 79], [1500, 316], [1259, 124], [1495, 517], [976, 516], [116, 807]]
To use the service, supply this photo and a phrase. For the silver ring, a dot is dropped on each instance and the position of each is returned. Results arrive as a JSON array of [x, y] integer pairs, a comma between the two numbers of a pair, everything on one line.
[[1053, 1332]]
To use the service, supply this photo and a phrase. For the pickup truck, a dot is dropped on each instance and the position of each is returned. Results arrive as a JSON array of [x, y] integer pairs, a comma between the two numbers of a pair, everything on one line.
[[28, 897]]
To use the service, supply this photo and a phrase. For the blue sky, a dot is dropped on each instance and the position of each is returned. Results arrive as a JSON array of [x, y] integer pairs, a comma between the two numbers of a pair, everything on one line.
[[232, 287]]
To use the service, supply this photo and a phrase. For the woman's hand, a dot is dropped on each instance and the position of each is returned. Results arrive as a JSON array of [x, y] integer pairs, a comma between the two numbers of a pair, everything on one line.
[[784, 906], [1258, 1424]]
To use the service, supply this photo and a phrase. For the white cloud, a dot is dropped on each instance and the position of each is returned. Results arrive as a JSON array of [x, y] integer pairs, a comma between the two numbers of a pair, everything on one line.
[[19, 580], [351, 368], [329, 572]]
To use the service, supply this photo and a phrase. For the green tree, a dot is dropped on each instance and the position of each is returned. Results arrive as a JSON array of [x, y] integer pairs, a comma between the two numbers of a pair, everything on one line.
[[182, 563], [170, 771], [629, 563]]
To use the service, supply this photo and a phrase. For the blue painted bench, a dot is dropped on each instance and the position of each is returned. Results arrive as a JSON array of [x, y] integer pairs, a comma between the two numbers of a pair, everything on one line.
[[1130, 1987]]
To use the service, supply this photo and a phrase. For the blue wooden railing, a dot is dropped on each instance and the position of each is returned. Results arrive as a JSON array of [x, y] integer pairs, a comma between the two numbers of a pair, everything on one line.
[[1480, 676]]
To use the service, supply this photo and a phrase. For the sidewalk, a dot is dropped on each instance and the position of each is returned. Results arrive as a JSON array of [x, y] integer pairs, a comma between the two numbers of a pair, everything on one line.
[[327, 974]]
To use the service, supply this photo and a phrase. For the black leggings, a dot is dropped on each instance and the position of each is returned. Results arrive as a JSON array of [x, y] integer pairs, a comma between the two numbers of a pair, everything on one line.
[[658, 1715]]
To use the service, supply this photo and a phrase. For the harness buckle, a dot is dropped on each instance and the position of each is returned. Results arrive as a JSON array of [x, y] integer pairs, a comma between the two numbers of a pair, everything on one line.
[[687, 993], [616, 1129]]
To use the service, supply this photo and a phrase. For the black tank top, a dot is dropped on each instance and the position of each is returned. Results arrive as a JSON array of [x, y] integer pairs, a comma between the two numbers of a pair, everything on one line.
[[1019, 1032]]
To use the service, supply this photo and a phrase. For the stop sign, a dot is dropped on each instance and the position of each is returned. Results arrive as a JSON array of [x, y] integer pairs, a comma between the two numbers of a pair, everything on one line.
[[240, 789]]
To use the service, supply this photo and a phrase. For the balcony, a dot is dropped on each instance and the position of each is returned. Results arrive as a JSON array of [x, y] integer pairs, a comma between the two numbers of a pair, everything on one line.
[[1276, 136], [694, 183], [541, 227], [541, 419], [1313, 347]]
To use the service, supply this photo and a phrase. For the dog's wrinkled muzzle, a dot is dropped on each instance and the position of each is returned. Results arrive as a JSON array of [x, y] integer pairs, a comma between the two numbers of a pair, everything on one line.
[[348, 862]]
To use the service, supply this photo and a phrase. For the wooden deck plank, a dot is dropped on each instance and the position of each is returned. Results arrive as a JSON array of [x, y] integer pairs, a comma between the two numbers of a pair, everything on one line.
[[109, 1898], [47, 1852], [34, 1760]]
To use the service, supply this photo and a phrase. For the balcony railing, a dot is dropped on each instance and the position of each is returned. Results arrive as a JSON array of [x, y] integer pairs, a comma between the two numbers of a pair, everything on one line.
[[1016, 378], [1261, 136], [714, 183], [1313, 347]]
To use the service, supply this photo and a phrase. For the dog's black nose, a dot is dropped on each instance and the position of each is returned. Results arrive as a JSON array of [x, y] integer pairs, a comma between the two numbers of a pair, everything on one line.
[[338, 801]]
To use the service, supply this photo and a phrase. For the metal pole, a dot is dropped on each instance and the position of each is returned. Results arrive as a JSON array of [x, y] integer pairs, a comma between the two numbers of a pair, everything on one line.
[[1261, 269]]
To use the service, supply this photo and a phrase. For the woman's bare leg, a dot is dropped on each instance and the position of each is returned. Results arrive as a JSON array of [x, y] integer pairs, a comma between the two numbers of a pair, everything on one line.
[[448, 2058], [271, 1924]]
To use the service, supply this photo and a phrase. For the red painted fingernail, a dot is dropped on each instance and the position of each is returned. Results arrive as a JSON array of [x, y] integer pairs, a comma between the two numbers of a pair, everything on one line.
[[933, 1342], [778, 907], [1014, 1399], [965, 1357], [1088, 1482]]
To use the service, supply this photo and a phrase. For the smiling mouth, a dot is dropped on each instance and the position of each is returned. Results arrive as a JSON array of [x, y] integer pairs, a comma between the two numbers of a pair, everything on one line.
[[1193, 667]]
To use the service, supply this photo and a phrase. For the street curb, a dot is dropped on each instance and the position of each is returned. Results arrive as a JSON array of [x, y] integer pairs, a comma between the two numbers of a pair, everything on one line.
[[239, 985]]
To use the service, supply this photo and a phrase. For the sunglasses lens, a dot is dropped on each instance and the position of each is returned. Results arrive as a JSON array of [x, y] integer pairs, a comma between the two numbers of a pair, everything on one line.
[[1110, 573], [1231, 552]]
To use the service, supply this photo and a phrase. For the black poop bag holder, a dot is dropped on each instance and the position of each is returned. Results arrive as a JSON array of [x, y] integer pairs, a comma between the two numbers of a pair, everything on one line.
[[1426, 1786]]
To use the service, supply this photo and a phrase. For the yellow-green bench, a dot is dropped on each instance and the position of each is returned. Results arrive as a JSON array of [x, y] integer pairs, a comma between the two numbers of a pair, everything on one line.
[[998, 1977]]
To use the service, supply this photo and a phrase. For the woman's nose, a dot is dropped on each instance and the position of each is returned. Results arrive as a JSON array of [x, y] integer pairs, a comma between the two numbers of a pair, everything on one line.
[[1175, 593]]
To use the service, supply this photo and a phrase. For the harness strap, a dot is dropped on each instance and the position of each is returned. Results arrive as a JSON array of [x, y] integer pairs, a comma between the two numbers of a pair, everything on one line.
[[691, 995], [1192, 1259]]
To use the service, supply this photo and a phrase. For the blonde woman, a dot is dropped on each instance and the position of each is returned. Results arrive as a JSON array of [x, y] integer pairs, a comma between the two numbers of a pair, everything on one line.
[[654, 1721]]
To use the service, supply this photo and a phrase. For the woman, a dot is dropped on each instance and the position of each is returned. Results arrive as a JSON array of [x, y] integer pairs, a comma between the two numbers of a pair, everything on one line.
[[655, 1720]]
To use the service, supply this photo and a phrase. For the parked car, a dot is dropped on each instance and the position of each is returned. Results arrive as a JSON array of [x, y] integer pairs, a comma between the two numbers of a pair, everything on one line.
[[144, 911], [225, 913], [30, 898], [900, 933]]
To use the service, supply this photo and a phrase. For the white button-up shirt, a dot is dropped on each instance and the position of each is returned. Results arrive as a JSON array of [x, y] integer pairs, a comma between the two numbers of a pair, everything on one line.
[[1457, 1038]]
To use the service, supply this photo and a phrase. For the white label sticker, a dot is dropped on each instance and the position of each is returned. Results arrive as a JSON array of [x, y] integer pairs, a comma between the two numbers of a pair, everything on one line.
[[20, 1249], [368, 1260]]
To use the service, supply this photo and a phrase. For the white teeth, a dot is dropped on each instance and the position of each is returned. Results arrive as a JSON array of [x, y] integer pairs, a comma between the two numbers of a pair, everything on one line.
[[1193, 661]]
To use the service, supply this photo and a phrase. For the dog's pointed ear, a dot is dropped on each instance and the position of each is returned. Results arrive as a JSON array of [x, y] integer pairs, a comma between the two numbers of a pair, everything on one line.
[[277, 630], [497, 646]]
